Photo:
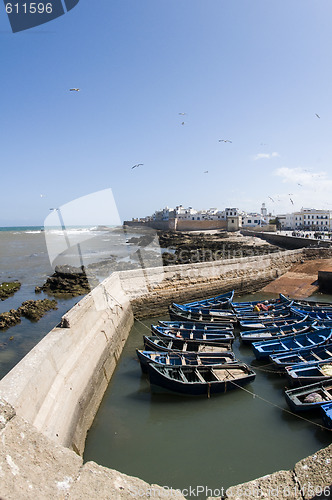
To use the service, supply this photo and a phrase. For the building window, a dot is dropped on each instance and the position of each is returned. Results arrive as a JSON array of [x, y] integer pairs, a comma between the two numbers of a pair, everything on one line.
[[249, 221], [232, 221]]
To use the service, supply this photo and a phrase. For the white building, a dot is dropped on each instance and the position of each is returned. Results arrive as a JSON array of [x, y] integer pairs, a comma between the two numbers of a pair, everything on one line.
[[312, 219]]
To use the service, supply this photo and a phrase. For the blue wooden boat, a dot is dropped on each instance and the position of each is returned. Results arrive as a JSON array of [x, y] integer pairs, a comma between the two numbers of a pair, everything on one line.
[[198, 326], [220, 336], [304, 374], [308, 355], [199, 380], [326, 412], [257, 312], [179, 313], [291, 343], [249, 306], [222, 301], [320, 314], [250, 336], [266, 322], [307, 304], [281, 312], [156, 343], [172, 358], [309, 397]]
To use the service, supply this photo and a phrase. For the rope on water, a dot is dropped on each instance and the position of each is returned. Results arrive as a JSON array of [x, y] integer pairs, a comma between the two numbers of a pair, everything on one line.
[[254, 395]]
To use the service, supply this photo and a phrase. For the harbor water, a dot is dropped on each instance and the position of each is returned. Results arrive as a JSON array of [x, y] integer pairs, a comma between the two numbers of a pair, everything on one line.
[[177, 442], [182, 442]]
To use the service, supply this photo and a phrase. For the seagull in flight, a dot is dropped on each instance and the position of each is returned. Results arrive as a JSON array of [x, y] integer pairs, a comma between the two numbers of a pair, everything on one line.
[[74, 90], [224, 140], [137, 165], [183, 123], [182, 114], [271, 198], [291, 201], [206, 172], [317, 115]]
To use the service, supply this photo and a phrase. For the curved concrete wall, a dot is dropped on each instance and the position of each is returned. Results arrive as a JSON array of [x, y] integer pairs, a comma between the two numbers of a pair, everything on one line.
[[49, 399]]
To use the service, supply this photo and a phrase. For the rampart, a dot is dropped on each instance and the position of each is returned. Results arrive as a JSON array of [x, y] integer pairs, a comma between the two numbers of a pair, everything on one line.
[[288, 242], [48, 401]]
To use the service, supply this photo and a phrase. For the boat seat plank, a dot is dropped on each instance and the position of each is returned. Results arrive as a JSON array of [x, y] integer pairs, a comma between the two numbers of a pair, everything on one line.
[[200, 376], [326, 393]]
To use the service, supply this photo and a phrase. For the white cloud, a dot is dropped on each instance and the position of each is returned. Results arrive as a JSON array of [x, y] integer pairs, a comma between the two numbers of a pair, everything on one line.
[[266, 156], [305, 188]]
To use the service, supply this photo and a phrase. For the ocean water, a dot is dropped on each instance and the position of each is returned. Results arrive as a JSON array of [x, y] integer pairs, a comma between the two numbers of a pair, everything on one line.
[[29, 255], [168, 440]]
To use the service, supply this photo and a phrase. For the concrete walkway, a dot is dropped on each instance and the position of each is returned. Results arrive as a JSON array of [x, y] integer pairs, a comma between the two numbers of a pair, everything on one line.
[[301, 280]]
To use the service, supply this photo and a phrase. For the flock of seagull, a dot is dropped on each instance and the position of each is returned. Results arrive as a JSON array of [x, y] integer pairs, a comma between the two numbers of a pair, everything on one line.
[[220, 140]]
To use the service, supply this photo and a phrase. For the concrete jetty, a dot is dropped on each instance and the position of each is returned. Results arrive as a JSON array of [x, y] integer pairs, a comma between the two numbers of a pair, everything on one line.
[[302, 280], [49, 399]]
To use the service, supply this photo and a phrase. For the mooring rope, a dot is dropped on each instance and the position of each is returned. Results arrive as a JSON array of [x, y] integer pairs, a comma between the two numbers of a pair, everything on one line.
[[254, 395]]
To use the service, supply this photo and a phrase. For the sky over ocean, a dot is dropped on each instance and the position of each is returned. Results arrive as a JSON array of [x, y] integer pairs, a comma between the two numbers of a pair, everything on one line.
[[162, 85]]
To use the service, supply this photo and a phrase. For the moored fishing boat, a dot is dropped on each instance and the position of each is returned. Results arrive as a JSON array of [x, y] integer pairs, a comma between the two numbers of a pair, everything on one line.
[[304, 374], [303, 304], [291, 343], [222, 301], [320, 314], [308, 355], [250, 336], [198, 326], [326, 413], [262, 304], [200, 380], [202, 336], [266, 322], [183, 358], [196, 315], [309, 397], [156, 343], [279, 310]]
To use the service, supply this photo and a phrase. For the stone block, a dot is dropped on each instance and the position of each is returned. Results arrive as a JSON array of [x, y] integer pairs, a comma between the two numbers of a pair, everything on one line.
[[99, 482], [279, 485], [32, 466], [314, 473]]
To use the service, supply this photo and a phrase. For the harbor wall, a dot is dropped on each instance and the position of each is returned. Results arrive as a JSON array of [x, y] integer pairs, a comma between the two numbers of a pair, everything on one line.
[[288, 242], [48, 401]]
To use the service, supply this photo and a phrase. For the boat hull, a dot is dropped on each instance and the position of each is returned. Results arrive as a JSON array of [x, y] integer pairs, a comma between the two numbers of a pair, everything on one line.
[[198, 381], [310, 397]]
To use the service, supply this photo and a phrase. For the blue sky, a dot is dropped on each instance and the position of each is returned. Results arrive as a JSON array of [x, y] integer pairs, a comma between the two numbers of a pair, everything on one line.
[[254, 72]]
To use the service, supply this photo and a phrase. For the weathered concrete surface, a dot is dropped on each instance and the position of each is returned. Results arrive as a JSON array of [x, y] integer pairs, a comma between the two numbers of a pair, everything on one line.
[[59, 385], [33, 467], [301, 280], [310, 477]]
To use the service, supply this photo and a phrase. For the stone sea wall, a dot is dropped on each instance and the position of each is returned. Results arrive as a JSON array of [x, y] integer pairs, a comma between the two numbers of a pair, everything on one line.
[[152, 291], [48, 401]]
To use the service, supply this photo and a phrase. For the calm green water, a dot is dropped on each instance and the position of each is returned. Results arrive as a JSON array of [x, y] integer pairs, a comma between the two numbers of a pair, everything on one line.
[[180, 442], [163, 439]]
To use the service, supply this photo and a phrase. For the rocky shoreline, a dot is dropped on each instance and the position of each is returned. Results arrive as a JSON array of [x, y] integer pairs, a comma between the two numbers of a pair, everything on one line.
[[8, 288], [30, 309], [68, 281]]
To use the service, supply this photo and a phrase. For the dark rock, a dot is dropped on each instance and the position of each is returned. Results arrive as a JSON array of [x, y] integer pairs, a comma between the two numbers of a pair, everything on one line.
[[10, 318], [68, 281], [8, 288], [35, 309]]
